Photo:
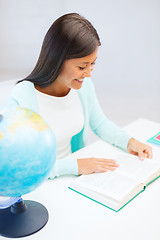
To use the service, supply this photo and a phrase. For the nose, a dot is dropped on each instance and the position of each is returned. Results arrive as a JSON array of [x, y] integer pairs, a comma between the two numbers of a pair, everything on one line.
[[88, 71]]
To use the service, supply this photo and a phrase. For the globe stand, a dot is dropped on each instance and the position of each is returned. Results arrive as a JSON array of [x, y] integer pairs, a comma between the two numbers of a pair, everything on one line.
[[22, 219]]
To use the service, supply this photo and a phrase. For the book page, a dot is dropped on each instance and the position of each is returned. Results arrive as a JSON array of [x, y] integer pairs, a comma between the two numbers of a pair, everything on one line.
[[129, 165], [111, 184], [132, 166]]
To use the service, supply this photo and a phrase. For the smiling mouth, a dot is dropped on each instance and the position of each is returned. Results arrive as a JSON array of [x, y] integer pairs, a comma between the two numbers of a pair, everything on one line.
[[80, 81]]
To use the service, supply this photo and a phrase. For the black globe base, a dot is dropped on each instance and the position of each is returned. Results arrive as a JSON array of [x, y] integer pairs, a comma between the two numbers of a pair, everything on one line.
[[22, 219]]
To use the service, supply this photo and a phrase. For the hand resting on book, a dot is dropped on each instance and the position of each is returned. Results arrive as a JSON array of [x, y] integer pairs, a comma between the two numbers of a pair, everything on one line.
[[93, 165], [140, 149]]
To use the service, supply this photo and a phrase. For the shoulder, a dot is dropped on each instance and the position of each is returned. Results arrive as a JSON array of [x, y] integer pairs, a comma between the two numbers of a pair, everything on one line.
[[24, 94], [23, 86], [23, 89]]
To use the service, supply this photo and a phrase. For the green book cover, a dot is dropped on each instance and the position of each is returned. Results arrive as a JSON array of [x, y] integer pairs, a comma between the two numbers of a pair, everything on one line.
[[104, 204], [124, 204]]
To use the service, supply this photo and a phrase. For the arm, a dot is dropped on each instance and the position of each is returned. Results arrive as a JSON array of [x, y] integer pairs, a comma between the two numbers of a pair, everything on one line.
[[69, 165], [111, 133], [64, 166], [103, 127]]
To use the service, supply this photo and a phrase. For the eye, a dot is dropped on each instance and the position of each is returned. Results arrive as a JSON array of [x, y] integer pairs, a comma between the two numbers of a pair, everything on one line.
[[81, 68]]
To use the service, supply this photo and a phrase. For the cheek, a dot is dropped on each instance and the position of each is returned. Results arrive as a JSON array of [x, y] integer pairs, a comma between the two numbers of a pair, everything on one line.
[[68, 74], [79, 73], [76, 74], [71, 73]]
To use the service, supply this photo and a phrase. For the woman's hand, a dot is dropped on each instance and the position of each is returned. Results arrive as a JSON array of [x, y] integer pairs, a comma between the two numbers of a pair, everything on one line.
[[140, 149], [92, 165]]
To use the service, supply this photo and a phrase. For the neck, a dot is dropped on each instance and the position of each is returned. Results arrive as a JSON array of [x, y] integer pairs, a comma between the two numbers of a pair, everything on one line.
[[54, 90]]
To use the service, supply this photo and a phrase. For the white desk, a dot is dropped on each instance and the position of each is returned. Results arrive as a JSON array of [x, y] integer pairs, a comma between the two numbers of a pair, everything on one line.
[[74, 217]]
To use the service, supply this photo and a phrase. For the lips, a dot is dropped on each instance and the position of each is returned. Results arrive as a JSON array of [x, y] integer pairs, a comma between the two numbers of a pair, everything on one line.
[[79, 80]]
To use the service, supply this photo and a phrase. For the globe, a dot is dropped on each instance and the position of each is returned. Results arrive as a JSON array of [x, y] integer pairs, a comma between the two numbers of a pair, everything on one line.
[[27, 151]]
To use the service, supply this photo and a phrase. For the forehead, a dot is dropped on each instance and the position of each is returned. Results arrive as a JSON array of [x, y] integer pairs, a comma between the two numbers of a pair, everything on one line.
[[86, 60]]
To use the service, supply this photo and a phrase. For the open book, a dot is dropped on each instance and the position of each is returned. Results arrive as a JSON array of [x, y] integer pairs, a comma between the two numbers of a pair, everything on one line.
[[115, 189]]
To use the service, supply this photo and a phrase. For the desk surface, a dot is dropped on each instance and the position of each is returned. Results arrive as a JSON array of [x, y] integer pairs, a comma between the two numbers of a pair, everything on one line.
[[72, 216]]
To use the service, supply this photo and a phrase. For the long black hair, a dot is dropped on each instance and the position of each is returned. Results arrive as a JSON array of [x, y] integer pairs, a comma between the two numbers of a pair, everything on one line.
[[70, 36]]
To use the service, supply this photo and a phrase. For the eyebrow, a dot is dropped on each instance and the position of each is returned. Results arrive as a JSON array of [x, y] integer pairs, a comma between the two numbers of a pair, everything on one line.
[[88, 62]]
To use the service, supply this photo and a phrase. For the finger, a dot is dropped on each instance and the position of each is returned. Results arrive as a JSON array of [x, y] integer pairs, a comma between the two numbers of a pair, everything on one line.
[[110, 162], [146, 155], [103, 169], [104, 164], [141, 155], [148, 151], [111, 168]]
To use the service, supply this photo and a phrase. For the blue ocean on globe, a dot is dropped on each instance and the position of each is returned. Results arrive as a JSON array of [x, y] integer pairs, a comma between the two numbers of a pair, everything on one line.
[[27, 151]]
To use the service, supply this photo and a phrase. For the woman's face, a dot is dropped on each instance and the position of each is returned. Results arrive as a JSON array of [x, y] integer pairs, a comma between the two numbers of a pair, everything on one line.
[[75, 70]]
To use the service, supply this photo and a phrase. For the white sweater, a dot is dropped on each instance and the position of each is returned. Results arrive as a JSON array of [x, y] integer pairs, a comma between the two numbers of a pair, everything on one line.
[[65, 117]]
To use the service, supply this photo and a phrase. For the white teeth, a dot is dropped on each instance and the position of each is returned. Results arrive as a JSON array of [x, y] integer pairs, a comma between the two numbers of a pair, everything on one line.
[[79, 80]]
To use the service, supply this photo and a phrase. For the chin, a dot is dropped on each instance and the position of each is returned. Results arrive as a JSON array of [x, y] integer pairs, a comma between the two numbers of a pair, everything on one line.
[[76, 88], [77, 84]]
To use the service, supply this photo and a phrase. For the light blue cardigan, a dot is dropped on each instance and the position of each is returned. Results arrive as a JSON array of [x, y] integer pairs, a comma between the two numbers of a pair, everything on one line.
[[24, 95]]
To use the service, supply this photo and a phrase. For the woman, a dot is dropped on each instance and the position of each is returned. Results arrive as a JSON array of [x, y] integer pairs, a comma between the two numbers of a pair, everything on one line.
[[61, 81]]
